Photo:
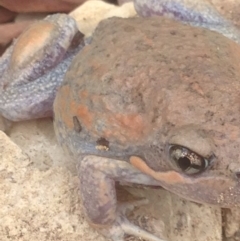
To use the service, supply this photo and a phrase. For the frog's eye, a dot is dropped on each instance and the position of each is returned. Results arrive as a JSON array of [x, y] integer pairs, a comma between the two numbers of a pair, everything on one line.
[[187, 161]]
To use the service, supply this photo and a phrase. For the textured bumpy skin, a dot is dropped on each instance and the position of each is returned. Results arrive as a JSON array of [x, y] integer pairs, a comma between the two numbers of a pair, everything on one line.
[[194, 12], [33, 67], [139, 88]]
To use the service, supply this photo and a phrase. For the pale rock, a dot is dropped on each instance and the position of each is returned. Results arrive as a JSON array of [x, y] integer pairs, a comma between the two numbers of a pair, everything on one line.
[[92, 12]]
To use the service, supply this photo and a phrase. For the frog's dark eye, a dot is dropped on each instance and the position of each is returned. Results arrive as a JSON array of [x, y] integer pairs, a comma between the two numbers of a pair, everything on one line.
[[186, 160]]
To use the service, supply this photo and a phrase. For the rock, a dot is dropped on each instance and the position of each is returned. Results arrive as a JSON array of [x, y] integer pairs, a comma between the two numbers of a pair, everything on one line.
[[231, 223], [92, 12], [38, 204]]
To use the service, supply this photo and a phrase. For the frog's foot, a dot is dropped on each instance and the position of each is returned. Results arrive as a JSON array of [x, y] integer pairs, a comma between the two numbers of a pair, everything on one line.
[[122, 226], [32, 69], [97, 189]]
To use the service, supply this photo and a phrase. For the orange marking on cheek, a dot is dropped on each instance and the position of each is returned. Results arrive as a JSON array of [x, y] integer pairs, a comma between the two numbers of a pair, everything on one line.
[[170, 177]]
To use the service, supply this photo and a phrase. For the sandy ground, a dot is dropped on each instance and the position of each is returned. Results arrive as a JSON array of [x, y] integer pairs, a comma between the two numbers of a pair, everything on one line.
[[39, 185]]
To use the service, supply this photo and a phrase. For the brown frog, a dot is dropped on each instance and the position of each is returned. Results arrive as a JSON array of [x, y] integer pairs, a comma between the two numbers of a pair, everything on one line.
[[148, 101], [152, 102]]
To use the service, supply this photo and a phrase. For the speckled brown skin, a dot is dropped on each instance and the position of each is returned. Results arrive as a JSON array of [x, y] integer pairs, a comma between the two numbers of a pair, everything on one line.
[[139, 88], [201, 13]]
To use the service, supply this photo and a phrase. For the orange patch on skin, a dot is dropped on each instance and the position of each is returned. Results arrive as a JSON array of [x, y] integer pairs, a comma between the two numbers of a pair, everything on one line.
[[133, 125], [170, 177], [31, 42], [123, 127]]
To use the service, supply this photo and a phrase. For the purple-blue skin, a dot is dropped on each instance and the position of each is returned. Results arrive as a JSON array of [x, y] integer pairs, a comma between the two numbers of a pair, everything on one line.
[[32, 69], [194, 12]]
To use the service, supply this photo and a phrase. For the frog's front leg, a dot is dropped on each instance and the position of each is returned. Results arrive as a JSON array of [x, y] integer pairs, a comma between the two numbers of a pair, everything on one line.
[[33, 68], [97, 189]]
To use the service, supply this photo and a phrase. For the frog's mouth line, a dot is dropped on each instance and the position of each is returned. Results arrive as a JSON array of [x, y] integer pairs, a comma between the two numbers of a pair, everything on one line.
[[215, 190], [170, 177]]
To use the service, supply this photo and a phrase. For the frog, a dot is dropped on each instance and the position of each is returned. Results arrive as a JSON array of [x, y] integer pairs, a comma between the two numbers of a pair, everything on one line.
[[166, 114], [152, 102]]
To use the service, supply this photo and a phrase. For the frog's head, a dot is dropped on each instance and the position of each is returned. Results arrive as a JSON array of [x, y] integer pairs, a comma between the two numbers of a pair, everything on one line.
[[207, 163], [204, 165], [199, 127]]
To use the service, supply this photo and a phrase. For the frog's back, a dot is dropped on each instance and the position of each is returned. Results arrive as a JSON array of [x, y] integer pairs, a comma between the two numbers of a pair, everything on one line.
[[126, 89]]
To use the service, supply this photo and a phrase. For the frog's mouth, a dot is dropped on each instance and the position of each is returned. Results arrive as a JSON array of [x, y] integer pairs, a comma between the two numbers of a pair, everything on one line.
[[211, 189]]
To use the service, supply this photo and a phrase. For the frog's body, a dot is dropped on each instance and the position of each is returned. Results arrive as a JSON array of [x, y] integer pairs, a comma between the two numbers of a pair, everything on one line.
[[142, 87], [149, 101]]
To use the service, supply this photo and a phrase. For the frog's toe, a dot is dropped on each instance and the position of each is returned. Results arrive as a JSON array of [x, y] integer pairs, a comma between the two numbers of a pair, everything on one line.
[[122, 226], [129, 228]]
